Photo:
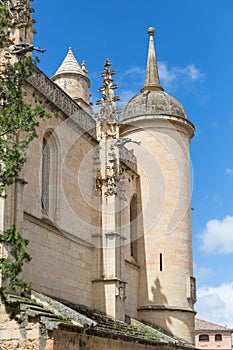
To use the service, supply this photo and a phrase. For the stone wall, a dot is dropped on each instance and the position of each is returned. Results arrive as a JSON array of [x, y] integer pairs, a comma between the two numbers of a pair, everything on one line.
[[131, 276], [61, 235], [70, 341], [13, 336], [61, 266]]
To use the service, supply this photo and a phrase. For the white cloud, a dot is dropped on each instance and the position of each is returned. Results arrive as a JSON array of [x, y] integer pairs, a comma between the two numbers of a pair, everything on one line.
[[229, 171], [217, 237], [132, 80], [171, 76], [133, 71], [193, 72], [166, 75], [215, 304]]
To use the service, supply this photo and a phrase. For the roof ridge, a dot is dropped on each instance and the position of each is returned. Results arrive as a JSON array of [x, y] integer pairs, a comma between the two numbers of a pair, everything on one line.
[[225, 327]]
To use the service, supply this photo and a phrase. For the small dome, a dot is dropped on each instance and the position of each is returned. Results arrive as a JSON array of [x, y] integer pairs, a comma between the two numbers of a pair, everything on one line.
[[153, 103]]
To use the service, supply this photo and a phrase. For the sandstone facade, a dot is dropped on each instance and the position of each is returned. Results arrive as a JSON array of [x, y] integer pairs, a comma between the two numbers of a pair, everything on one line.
[[106, 207]]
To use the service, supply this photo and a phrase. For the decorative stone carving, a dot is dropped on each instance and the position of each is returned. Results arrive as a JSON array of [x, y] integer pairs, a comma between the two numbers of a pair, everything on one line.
[[107, 118], [193, 296], [128, 158], [120, 290], [60, 99], [112, 151], [21, 11]]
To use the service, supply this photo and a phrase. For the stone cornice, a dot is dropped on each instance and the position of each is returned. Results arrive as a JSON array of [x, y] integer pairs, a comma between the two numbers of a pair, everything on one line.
[[46, 224], [132, 264], [144, 122], [128, 158], [164, 308], [54, 94]]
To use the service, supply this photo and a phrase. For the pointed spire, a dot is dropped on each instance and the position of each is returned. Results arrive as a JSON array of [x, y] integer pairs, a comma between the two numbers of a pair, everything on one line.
[[152, 76], [108, 87], [107, 117], [70, 65]]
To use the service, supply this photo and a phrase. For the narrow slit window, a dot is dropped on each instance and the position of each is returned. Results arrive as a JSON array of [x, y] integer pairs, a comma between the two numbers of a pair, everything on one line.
[[161, 262], [133, 227]]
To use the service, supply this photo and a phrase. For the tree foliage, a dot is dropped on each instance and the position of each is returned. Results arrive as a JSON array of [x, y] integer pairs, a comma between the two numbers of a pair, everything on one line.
[[5, 26]]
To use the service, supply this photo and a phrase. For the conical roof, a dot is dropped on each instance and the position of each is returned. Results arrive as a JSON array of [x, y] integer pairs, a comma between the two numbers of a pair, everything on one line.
[[70, 65]]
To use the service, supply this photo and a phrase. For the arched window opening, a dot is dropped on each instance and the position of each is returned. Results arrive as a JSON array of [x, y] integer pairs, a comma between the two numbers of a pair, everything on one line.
[[45, 175], [203, 337], [218, 337], [50, 175], [133, 227]]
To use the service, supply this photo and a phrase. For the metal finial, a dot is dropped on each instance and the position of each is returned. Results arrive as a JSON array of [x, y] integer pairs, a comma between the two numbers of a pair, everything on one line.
[[151, 31], [84, 67]]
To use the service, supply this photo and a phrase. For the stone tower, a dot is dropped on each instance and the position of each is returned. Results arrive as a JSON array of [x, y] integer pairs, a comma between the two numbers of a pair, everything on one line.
[[164, 236], [74, 81], [21, 32], [22, 16]]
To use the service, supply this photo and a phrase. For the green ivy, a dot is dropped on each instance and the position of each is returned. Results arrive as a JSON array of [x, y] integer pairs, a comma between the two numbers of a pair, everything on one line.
[[18, 124], [12, 265], [18, 120], [5, 26]]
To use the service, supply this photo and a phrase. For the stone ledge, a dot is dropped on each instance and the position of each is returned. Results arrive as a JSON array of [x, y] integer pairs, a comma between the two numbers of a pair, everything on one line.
[[54, 94]]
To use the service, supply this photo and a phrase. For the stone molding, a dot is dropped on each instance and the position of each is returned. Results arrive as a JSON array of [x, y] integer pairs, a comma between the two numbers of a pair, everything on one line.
[[128, 158], [146, 121], [53, 93], [47, 224], [164, 308]]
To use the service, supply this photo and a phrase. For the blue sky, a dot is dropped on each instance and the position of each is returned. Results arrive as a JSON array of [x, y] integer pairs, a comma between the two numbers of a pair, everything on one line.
[[195, 56]]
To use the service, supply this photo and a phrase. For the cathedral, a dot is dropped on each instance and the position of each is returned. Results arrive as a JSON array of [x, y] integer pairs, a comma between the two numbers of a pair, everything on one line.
[[104, 200]]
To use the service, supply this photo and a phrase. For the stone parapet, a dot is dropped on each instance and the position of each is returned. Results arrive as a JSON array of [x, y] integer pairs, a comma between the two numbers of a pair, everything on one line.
[[54, 94]]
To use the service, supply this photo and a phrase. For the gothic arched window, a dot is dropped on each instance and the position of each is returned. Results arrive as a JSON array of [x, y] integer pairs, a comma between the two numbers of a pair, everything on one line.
[[50, 175], [45, 176]]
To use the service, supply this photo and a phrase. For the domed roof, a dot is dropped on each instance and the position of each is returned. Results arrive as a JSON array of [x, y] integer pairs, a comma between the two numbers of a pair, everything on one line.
[[152, 100], [149, 103]]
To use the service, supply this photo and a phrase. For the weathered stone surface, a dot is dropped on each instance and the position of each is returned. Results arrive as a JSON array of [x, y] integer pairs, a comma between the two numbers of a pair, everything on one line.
[[156, 103], [126, 250]]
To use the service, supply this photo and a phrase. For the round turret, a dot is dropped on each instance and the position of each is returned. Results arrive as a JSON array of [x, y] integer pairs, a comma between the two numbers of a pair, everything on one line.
[[164, 251], [73, 80]]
